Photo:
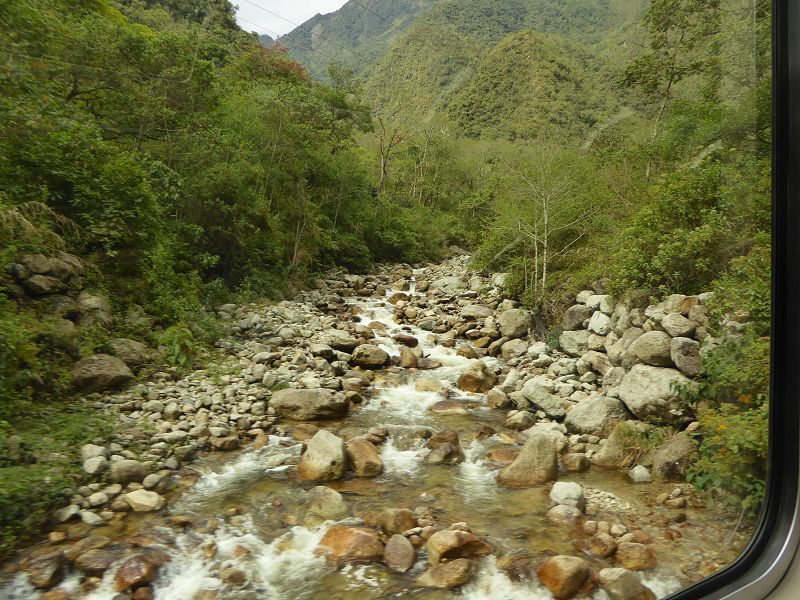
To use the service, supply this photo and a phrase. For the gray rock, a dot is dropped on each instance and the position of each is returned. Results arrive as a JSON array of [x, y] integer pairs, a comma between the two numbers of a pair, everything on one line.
[[536, 464], [600, 323], [563, 515], [672, 459], [514, 323], [677, 325], [95, 309], [574, 343], [569, 494], [622, 584], [649, 394], [324, 458], [448, 284], [399, 553], [593, 361], [513, 349], [100, 372], [308, 405], [93, 466], [326, 505], [91, 451], [476, 311], [43, 285], [575, 316], [653, 348], [520, 420], [127, 471], [596, 415], [618, 351], [323, 350], [685, 353], [368, 356], [131, 352], [640, 474], [615, 451], [539, 397], [144, 501]]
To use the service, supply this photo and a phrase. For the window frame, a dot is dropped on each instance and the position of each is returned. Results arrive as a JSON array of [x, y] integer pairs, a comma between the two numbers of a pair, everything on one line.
[[771, 551]]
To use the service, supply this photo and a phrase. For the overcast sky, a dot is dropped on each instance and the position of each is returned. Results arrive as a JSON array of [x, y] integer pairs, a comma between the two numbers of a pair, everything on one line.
[[298, 11]]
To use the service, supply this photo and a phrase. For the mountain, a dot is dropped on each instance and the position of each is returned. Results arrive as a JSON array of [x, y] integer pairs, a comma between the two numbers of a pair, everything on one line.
[[357, 35], [266, 40]]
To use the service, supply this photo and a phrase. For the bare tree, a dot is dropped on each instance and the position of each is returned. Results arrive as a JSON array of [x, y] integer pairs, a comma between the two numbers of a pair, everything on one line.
[[389, 137]]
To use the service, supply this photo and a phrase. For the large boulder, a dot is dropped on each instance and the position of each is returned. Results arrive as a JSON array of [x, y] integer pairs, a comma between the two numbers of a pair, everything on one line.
[[649, 393], [127, 471], [131, 352], [447, 575], [144, 501], [536, 464], [615, 451], [46, 570], [342, 545], [622, 584], [326, 505], [653, 348], [445, 448], [574, 343], [476, 311], [685, 353], [677, 325], [95, 309], [369, 356], [135, 572], [672, 459], [364, 458], [324, 458], [600, 323], [564, 576], [514, 323], [636, 557], [594, 361], [100, 372], [478, 378], [451, 544], [341, 340], [596, 415], [308, 405], [399, 554], [539, 397], [575, 316]]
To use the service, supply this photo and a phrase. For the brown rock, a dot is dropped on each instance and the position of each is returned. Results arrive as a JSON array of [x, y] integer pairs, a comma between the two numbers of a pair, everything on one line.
[[397, 520], [364, 458], [622, 584], [55, 595], [603, 545], [636, 557], [134, 572], [399, 554], [445, 448], [324, 458], [448, 575], [564, 576], [88, 543], [143, 593], [477, 379], [342, 545], [502, 456], [536, 464], [95, 562], [450, 544], [575, 462], [448, 407], [232, 576], [46, 570]]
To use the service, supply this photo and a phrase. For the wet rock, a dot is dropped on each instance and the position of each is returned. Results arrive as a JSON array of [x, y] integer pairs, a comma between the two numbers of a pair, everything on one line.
[[134, 572], [448, 575], [536, 464], [326, 505], [127, 471], [85, 545], [95, 562], [452, 544], [564, 576], [478, 378], [233, 577], [502, 456], [539, 397], [445, 448], [46, 570], [308, 405], [343, 545], [568, 493], [397, 520], [672, 458], [602, 545], [622, 584], [144, 500], [408, 358], [100, 372], [449, 407], [653, 348], [636, 557], [406, 340], [399, 554], [55, 595], [563, 515], [685, 353], [648, 393], [596, 415], [324, 458], [225, 443], [364, 457], [369, 356]]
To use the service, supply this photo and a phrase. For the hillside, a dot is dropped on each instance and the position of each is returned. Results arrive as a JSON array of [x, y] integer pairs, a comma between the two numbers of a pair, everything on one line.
[[356, 35]]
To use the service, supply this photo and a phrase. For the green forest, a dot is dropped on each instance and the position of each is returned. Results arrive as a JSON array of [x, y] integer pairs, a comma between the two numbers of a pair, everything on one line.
[[188, 164]]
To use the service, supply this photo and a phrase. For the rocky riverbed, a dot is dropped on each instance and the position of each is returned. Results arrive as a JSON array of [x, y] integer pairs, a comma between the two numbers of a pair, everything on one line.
[[399, 435]]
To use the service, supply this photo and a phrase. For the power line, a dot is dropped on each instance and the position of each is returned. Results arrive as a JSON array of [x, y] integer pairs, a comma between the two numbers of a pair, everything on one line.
[[309, 48], [382, 18], [319, 35]]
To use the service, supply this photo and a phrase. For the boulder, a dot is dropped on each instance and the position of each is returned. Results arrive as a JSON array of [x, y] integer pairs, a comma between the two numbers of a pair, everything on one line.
[[640, 474], [513, 349], [600, 323], [322, 351], [324, 458], [539, 397], [308, 405], [536, 464], [595, 362], [615, 451], [100, 372], [575, 316], [476, 311], [144, 500], [408, 358], [672, 458], [342, 545], [135, 572], [601, 302], [127, 471], [574, 343], [622, 584], [131, 352], [95, 309], [399, 554], [564, 576], [677, 325], [685, 353], [568, 493], [326, 505], [341, 340], [43, 285], [514, 323], [520, 421], [449, 544], [596, 415], [478, 378], [397, 520], [46, 570], [636, 557], [447, 575], [653, 348], [445, 448], [448, 284], [602, 545], [649, 394], [563, 515], [369, 356], [95, 562], [364, 458]]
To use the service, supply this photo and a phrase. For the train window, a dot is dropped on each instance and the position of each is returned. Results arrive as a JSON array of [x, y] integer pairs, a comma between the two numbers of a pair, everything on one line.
[[478, 299]]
